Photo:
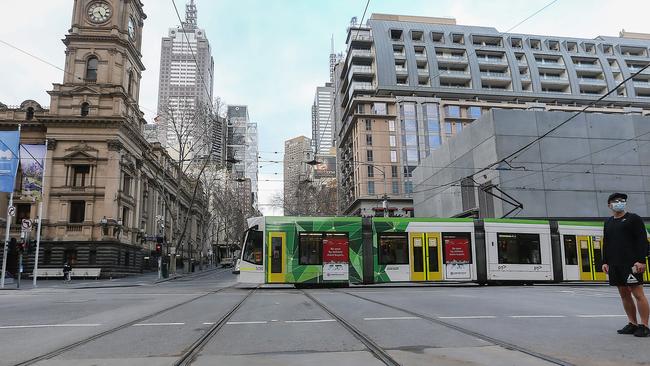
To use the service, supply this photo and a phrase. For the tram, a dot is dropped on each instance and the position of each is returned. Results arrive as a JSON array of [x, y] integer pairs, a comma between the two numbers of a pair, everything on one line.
[[353, 250]]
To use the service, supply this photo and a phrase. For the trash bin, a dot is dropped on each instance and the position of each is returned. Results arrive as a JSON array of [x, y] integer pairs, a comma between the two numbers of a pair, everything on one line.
[[164, 270]]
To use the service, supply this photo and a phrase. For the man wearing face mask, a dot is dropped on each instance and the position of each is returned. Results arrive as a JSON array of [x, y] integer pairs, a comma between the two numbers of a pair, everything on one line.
[[624, 256]]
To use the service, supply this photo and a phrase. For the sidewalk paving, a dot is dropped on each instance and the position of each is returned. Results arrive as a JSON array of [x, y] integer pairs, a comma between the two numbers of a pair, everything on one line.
[[145, 279]]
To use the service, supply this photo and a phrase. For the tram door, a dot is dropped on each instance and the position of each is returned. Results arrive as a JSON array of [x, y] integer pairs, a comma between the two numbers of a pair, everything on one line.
[[425, 257], [275, 257], [590, 249]]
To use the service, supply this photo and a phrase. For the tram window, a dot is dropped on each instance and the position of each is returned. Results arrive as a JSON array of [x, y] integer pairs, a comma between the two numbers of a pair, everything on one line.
[[570, 250], [393, 248], [253, 248], [310, 246], [517, 248], [276, 254]]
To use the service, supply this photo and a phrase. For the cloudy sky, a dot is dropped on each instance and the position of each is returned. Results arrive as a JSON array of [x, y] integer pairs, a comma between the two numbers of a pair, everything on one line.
[[271, 54]]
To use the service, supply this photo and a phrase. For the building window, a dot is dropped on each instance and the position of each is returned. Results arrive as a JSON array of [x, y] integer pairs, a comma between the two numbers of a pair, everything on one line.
[[126, 184], [125, 216], [91, 68], [393, 156], [392, 141], [434, 141], [77, 212], [130, 86], [452, 111], [369, 155], [393, 168], [474, 112], [449, 128], [391, 126], [369, 140], [371, 171], [30, 114], [23, 211], [85, 108], [395, 187], [408, 187], [517, 248], [396, 34], [361, 108], [80, 174], [412, 155], [393, 248], [368, 125], [379, 109], [459, 127], [371, 187]]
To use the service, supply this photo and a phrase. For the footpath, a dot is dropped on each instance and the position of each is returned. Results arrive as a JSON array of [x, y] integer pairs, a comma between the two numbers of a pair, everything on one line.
[[145, 279]]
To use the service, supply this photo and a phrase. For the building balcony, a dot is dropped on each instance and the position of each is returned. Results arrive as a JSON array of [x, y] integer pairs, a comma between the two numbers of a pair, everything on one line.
[[401, 71], [642, 85], [449, 59], [358, 87], [637, 69], [550, 79], [423, 72], [495, 75], [420, 56], [491, 60], [588, 67], [361, 37], [592, 81], [361, 54]]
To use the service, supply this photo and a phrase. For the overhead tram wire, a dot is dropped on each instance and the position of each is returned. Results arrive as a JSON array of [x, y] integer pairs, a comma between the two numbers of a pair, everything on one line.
[[514, 154]]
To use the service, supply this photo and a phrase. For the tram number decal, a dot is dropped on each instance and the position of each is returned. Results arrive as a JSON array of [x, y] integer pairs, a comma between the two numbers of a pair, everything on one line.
[[537, 268], [502, 267]]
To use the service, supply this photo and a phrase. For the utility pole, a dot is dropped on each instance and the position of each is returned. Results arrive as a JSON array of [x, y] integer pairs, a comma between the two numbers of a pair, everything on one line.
[[8, 227]]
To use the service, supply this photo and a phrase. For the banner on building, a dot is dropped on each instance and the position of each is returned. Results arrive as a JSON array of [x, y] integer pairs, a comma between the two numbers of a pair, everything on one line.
[[32, 160], [9, 142]]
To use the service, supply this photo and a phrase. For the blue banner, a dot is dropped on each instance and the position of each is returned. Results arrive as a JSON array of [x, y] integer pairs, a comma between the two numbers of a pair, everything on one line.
[[9, 142]]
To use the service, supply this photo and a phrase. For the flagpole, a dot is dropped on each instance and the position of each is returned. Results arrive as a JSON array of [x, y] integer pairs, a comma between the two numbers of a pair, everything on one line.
[[8, 227], [40, 219]]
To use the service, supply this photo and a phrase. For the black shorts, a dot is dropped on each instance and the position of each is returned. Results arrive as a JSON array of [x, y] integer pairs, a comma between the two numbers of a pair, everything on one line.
[[623, 276]]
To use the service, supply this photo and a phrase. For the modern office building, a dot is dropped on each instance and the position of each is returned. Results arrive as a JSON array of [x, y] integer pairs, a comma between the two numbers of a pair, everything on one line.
[[297, 154], [409, 83], [185, 87], [322, 119], [242, 147], [569, 173]]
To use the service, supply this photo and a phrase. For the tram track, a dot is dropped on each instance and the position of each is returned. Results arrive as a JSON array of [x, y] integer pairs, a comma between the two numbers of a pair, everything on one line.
[[74, 345], [469, 332], [375, 349]]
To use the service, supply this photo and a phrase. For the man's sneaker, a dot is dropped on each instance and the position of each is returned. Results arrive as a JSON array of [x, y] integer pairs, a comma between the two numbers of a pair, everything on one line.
[[628, 329], [642, 331]]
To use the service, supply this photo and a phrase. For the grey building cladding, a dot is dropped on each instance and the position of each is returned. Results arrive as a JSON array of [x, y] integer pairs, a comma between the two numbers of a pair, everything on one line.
[[459, 60], [570, 173]]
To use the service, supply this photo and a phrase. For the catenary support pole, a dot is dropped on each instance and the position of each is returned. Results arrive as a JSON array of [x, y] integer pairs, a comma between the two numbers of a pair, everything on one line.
[[8, 227], [40, 220]]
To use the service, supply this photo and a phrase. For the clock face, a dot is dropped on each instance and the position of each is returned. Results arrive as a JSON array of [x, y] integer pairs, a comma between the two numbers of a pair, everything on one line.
[[99, 12], [131, 29]]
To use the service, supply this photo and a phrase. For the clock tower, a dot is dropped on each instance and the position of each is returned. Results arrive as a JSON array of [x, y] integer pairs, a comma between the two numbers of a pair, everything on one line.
[[103, 64]]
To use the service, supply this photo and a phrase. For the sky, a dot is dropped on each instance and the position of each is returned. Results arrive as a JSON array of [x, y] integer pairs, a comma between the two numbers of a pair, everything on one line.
[[272, 54]]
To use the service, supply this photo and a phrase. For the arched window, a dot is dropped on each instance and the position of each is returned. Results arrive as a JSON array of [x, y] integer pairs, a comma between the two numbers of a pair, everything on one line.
[[30, 114], [85, 108], [130, 86], [91, 68]]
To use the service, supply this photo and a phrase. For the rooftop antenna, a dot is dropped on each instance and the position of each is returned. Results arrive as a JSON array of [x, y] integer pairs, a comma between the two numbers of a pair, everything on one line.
[[353, 21], [190, 15]]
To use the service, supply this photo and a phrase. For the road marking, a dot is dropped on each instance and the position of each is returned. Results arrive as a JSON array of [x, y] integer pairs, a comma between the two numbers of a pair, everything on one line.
[[155, 324], [208, 323], [538, 316], [238, 323], [468, 317], [601, 316], [48, 326], [395, 318], [311, 321]]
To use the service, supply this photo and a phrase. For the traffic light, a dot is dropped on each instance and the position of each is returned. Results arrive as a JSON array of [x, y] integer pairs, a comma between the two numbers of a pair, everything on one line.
[[158, 248], [21, 246]]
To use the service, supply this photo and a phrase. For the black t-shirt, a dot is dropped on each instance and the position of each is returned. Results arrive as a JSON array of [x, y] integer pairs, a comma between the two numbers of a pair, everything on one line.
[[625, 240]]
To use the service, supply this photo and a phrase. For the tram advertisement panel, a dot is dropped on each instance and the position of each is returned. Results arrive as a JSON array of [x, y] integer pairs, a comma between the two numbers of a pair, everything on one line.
[[457, 256], [335, 259]]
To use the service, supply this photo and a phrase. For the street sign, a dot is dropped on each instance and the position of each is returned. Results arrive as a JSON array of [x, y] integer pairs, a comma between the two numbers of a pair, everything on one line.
[[172, 250], [26, 224], [12, 210]]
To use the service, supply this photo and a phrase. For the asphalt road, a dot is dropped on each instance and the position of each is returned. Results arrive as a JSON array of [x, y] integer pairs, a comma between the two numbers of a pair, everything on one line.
[[279, 325]]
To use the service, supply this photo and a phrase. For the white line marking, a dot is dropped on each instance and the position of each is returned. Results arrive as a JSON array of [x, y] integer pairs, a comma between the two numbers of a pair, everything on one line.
[[601, 316], [208, 323], [311, 321], [468, 317], [237, 323], [394, 318], [48, 326], [155, 324], [538, 316]]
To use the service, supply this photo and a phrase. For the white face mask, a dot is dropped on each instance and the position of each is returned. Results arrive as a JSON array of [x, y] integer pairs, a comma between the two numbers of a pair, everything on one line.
[[618, 206]]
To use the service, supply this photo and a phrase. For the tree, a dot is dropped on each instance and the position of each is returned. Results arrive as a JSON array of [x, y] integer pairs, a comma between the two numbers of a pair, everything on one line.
[[308, 199]]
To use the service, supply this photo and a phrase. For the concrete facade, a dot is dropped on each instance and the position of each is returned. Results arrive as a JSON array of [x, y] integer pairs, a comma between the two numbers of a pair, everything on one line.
[[297, 152], [570, 173], [322, 119], [242, 148]]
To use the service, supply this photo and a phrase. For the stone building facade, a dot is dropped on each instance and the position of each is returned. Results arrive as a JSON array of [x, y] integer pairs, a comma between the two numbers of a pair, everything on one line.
[[108, 192]]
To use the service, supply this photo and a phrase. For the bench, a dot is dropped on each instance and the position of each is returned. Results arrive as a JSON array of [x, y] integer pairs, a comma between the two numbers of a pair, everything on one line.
[[78, 272]]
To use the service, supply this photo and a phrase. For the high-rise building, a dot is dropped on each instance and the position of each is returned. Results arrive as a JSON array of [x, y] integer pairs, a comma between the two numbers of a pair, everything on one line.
[[409, 83], [322, 119], [242, 147], [297, 153], [185, 87]]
